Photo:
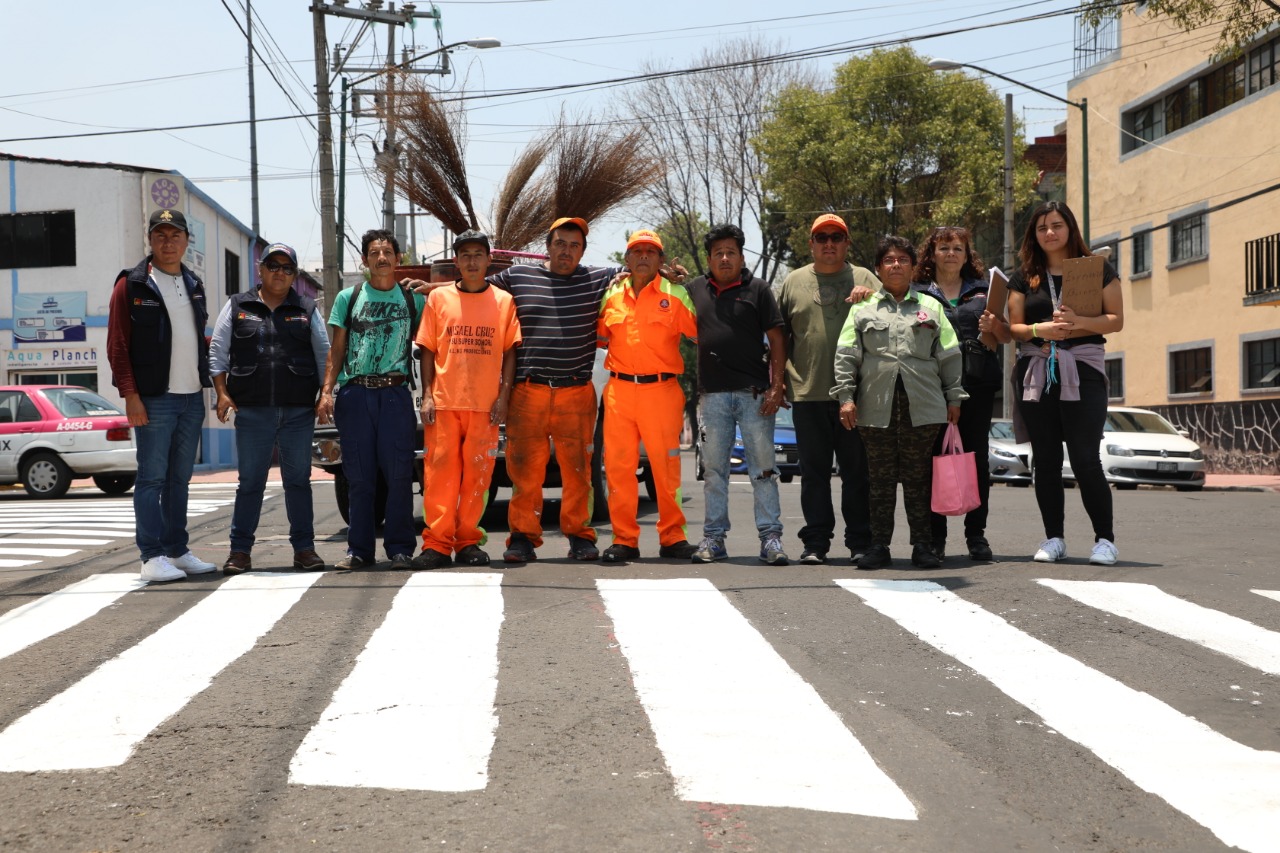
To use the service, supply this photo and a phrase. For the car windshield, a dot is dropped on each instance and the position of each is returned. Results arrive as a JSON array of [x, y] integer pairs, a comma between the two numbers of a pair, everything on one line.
[[1002, 429], [1138, 422], [79, 403]]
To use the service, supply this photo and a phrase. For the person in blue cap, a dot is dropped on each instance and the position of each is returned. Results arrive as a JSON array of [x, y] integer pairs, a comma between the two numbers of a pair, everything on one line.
[[266, 359]]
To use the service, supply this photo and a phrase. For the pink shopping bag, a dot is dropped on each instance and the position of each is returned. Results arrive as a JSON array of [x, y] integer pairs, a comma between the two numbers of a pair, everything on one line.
[[955, 477]]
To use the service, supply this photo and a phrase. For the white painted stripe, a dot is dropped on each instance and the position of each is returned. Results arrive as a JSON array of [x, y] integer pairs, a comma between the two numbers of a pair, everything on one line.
[[58, 611], [417, 711], [57, 540], [1231, 789], [98, 721], [1148, 605], [62, 530], [39, 552], [735, 723], [13, 564], [1269, 593]]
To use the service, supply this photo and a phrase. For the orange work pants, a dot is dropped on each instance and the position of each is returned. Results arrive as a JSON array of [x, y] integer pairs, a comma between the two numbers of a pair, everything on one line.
[[538, 415], [653, 414], [458, 463]]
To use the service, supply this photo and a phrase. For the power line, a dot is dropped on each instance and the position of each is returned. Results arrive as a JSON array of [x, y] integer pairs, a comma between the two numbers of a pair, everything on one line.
[[267, 65]]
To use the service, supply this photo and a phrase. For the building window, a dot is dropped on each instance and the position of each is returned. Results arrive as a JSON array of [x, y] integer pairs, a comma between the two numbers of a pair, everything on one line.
[[1262, 66], [1141, 252], [1262, 364], [1262, 268], [1187, 239], [1110, 251], [29, 240], [1115, 377], [1145, 126], [1191, 371], [231, 272]]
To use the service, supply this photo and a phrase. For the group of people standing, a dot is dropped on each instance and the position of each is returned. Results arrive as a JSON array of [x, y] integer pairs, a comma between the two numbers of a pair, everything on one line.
[[872, 365]]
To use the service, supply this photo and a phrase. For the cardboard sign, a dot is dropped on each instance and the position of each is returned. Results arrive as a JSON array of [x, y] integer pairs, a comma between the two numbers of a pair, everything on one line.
[[1082, 288], [997, 296]]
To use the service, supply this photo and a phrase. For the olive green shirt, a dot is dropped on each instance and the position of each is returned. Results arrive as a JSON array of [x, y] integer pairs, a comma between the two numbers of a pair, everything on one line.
[[885, 340], [814, 310]]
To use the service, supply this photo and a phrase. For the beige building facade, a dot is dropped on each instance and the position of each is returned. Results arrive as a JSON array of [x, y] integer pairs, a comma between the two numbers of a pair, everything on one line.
[[1184, 160]]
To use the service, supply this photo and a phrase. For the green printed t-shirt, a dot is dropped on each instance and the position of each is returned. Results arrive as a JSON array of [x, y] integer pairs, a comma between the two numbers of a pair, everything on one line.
[[379, 332], [814, 309]]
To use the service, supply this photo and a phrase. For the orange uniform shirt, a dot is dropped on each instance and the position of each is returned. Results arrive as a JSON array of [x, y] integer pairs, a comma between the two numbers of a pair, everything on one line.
[[643, 331], [468, 333]]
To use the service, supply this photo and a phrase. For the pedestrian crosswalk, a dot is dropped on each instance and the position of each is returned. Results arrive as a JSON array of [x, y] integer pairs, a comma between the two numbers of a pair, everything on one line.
[[732, 717], [34, 531]]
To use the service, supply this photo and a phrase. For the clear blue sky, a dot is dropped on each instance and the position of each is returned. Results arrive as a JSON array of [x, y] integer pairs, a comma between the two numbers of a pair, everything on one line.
[[86, 65]]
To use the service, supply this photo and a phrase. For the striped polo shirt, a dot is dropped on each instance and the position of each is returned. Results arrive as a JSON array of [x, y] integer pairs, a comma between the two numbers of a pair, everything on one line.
[[557, 318]]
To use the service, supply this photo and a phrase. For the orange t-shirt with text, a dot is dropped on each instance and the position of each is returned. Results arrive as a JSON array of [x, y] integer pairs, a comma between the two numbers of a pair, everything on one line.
[[468, 334]]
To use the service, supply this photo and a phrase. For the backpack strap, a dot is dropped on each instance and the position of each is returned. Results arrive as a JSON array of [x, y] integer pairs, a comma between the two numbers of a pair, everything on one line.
[[408, 345]]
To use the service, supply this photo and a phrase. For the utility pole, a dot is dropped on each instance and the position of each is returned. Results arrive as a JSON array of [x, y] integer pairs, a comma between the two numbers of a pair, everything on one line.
[[253, 125], [390, 153], [324, 154]]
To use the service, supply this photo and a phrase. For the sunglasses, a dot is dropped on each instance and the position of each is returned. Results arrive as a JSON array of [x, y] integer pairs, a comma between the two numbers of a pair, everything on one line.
[[272, 266], [828, 237]]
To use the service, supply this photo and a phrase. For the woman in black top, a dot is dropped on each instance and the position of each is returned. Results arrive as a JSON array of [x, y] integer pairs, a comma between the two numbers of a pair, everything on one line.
[[951, 272], [1060, 380]]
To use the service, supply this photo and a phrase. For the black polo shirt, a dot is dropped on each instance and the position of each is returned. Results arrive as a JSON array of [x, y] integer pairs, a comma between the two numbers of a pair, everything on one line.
[[733, 354]]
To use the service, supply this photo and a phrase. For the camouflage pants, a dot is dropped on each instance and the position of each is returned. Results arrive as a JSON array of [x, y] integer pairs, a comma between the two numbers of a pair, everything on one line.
[[900, 453]]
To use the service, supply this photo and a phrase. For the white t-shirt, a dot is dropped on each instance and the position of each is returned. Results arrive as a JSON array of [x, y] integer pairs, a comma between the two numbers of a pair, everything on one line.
[[184, 353]]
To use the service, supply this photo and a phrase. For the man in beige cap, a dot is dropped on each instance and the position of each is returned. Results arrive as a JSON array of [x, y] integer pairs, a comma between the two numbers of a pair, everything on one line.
[[814, 307]]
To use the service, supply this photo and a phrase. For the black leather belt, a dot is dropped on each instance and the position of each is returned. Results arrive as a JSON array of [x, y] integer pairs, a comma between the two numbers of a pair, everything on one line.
[[644, 379], [372, 381], [557, 381]]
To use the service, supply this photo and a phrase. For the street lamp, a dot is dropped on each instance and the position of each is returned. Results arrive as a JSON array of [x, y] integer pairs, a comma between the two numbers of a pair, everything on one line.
[[1082, 105]]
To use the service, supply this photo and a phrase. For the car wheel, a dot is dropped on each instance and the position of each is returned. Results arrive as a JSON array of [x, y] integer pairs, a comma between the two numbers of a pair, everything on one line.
[[114, 484], [699, 473], [650, 487], [1198, 488], [786, 478], [44, 475], [1126, 487], [342, 495], [599, 486]]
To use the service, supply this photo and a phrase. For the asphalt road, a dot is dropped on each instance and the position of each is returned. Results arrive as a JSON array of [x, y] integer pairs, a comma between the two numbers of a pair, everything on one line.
[[653, 706]]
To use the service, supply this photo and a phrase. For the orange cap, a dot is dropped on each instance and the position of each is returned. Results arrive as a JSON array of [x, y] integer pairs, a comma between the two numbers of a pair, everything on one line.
[[569, 220], [828, 219], [644, 235]]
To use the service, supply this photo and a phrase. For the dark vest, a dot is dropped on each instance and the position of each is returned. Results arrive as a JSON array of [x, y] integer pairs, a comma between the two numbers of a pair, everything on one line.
[[150, 334], [272, 362]]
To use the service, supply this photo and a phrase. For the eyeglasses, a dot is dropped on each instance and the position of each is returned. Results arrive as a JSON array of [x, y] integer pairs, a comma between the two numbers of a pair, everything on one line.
[[272, 266], [896, 262], [825, 237]]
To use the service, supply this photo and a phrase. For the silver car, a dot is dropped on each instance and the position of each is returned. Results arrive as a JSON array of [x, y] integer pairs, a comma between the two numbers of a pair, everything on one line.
[[1007, 460]]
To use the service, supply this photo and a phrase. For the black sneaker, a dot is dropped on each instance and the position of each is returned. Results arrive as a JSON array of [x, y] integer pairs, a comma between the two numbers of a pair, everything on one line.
[[620, 554], [682, 550], [979, 548], [429, 559], [582, 548], [472, 555], [520, 550], [351, 561], [813, 558], [402, 562], [924, 557], [875, 557]]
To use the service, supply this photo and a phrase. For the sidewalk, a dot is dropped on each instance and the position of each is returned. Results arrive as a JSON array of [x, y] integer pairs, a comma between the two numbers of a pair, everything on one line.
[[1212, 482]]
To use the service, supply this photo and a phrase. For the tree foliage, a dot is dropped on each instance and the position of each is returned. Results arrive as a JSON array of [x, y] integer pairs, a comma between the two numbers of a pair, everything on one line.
[[699, 126], [1242, 20], [890, 146], [677, 244]]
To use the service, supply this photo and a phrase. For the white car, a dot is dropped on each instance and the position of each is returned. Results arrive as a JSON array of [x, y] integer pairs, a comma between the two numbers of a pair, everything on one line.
[[1139, 447]]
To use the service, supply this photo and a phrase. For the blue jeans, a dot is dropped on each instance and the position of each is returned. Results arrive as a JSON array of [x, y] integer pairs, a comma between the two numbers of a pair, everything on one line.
[[259, 430], [377, 429], [166, 457], [718, 413]]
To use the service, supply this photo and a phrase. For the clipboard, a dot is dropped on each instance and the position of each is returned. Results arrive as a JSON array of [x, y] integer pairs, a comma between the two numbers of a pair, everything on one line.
[[1082, 288], [997, 296]]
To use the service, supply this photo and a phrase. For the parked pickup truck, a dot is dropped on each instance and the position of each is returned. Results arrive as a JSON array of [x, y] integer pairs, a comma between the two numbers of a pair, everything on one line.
[[327, 455]]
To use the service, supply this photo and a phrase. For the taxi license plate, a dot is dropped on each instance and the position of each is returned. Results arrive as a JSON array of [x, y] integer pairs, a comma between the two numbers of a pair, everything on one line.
[[1170, 467]]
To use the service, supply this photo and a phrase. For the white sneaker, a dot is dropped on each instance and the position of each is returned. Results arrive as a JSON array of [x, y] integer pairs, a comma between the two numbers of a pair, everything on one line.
[[1104, 553], [191, 564], [1051, 551], [160, 570]]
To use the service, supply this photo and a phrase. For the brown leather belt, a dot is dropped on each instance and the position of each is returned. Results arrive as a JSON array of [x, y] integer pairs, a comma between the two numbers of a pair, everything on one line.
[[372, 381], [643, 379]]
